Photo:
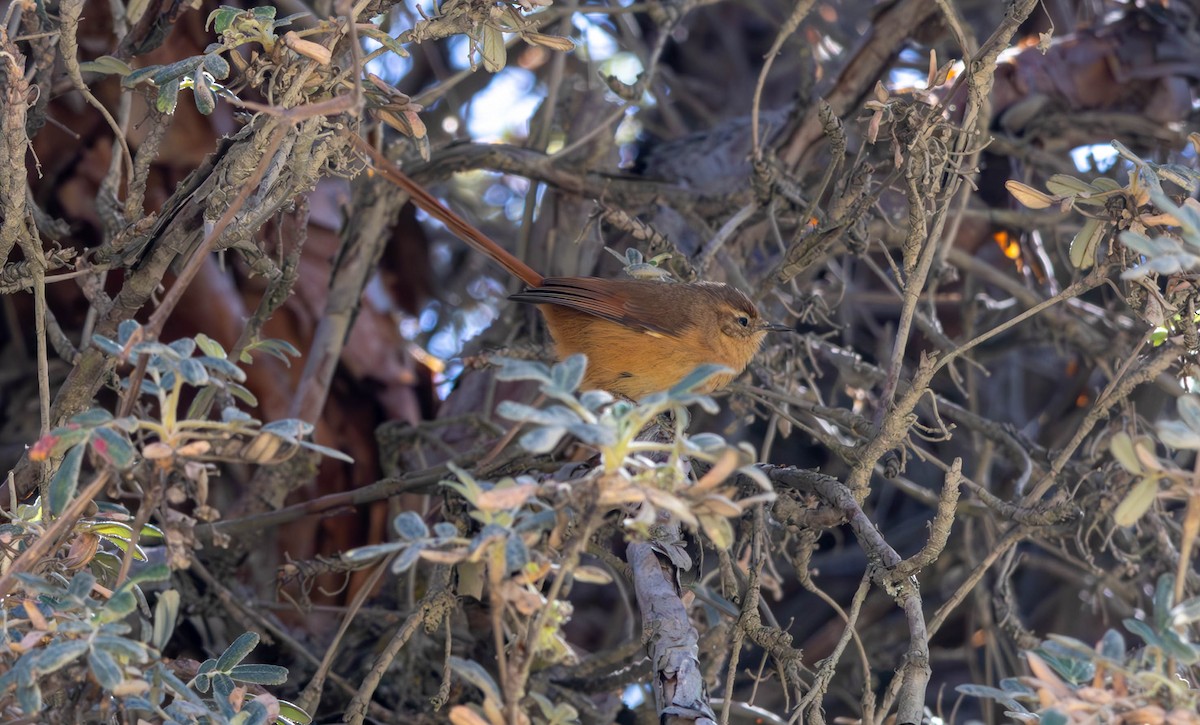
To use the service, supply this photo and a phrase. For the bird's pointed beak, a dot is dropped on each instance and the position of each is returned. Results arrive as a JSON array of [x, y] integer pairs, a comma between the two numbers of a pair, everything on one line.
[[775, 327]]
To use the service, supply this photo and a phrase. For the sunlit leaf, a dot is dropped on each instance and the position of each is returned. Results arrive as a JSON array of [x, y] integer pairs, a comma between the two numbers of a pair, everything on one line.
[[1137, 502], [492, 50], [106, 64], [65, 480], [1189, 410], [1178, 435], [1029, 196], [1082, 252], [168, 97], [166, 613], [1063, 185]]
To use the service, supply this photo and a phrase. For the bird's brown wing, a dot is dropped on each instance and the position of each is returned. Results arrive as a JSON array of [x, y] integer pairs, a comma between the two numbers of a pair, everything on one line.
[[637, 304]]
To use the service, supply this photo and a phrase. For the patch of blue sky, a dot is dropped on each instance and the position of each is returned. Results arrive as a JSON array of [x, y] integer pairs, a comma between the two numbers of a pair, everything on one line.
[[388, 66], [1094, 157], [502, 110], [595, 42]]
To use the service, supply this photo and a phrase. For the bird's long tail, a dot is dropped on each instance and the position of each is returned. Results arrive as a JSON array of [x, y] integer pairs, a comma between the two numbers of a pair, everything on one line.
[[463, 229]]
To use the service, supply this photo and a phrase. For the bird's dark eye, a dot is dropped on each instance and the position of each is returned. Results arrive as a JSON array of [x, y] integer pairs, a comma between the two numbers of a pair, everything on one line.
[[744, 321]]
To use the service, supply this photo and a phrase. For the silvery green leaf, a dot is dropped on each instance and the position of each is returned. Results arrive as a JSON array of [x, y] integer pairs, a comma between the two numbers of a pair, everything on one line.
[[593, 435], [259, 674], [485, 535], [1177, 435], [1164, 594], [1052, 717], [568, 374], [242, 394], [81, 585], [57, 655], [125, 331], [237, 651], [542, 440], [620, 408], [105, 669], [184, 346], [1143, 630], [222, 366], [29, 697], [66, 480], [326, 451], [708, 442], [410, 526], [697, 377], [121, 647], [754, 473], [107, 346], [511, 369], [1186, 652], [217, 66], [152, 347], [368, 553], [651, 401], [230, 414], [1187, 219], [473, 672], [193, 373], [1012, 684], [990, 693], [168, 97], [1141, 244], [552, 415], [149, 574], [113, 447], [1185, 612], [253, 712], [289, 428], [445, 530], [92, 417], [593, 400], [166, 613], [202, 94], [223, 686], [1189, 410], [516, 556], [1112, 646], [1165, 265]]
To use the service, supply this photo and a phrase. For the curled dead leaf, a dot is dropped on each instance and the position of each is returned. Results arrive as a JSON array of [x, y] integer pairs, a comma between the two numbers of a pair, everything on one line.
[[553, 42], [307, 48]]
